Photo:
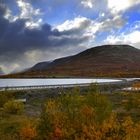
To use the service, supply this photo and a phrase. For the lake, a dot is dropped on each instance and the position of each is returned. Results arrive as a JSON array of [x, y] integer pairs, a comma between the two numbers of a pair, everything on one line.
[[51, 82]]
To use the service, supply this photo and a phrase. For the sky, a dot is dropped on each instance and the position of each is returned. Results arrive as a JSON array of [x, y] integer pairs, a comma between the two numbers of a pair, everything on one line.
[[32, 31]]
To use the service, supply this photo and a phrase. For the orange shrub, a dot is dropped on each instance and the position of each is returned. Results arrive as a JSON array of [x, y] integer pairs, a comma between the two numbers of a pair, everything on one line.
[[136, 85], [28, 132]]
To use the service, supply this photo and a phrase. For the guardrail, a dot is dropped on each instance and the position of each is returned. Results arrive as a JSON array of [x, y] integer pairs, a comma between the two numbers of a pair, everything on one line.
[[41, 87]]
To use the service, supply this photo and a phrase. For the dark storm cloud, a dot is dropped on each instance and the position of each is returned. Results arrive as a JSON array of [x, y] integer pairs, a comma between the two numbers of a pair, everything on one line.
[[15, 38]]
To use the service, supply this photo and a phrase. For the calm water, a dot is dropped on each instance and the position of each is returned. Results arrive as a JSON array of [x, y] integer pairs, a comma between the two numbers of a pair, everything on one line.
[[39, 82]]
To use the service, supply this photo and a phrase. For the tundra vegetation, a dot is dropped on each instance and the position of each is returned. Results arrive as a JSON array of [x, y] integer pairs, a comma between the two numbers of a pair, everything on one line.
[[73, 115]]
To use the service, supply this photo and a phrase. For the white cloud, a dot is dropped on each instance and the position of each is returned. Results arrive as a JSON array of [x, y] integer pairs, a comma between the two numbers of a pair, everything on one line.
[[70, 24], [29, 13], [92, 26], [117, 6], [26, 10], [87, 3], [116, 22], [32, 24], [8, 15], [102, 15], [131, 37], [80, 25], [114, 39]]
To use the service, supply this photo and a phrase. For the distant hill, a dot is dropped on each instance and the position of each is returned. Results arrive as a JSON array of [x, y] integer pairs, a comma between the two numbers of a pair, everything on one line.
[[101, 61], [40, 66]]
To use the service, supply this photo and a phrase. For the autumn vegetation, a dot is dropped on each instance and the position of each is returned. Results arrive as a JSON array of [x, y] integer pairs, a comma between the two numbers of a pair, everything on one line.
[[136, 85], [93, 115], [70, 73]]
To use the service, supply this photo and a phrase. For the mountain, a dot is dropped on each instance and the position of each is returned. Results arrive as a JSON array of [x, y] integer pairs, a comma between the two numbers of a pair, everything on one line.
[[40, 66], [101, 61]]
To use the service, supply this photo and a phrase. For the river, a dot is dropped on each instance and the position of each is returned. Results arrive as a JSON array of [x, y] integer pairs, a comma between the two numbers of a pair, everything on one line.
[[51, 82]]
